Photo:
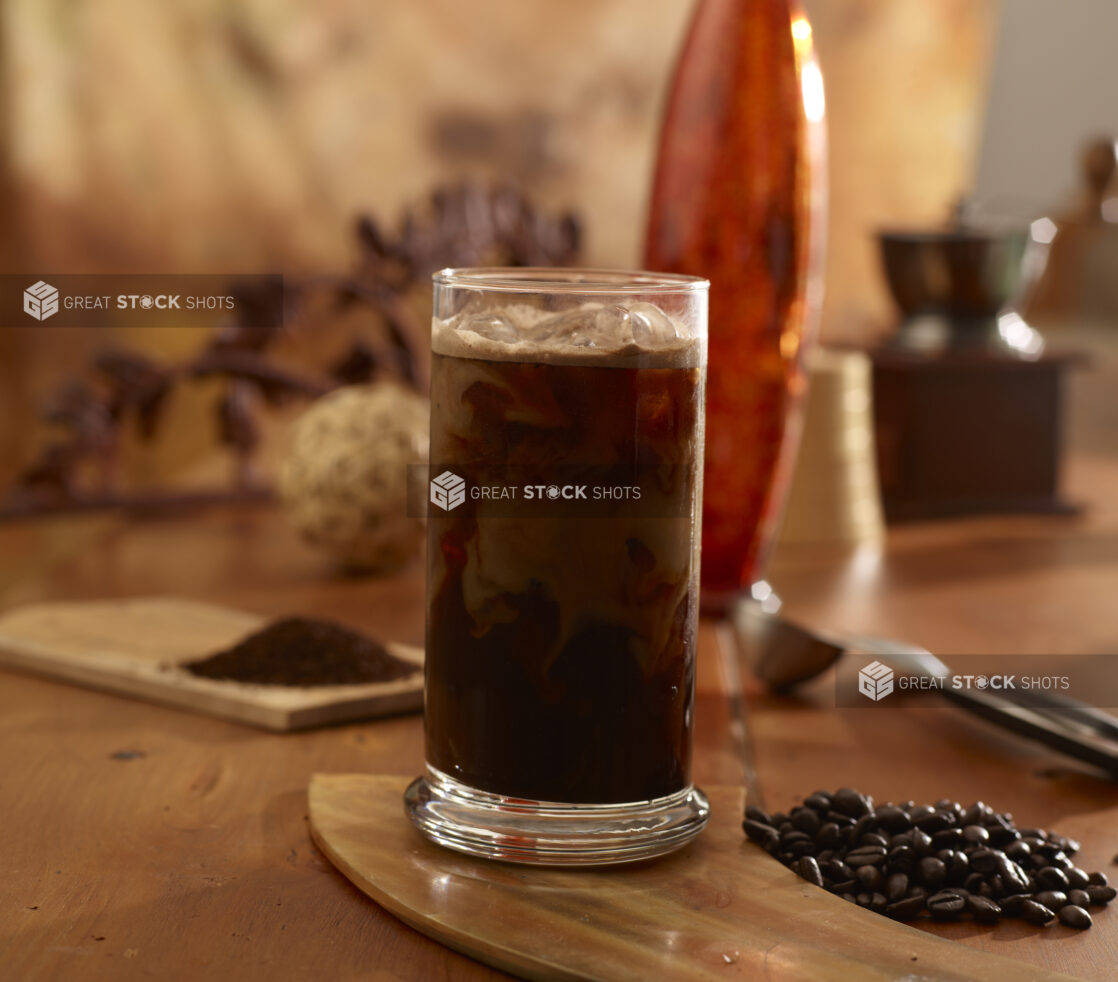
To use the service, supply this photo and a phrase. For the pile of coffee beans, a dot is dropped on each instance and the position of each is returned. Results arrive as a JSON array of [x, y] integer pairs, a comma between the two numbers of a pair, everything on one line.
[[943, 860]]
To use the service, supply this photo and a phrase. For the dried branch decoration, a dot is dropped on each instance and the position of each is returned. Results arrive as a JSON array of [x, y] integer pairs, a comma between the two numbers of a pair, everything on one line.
[[463, 225]]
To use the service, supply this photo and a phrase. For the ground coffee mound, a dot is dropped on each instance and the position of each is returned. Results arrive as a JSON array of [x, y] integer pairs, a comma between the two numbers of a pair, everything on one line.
[[942, 861], [302, 651]]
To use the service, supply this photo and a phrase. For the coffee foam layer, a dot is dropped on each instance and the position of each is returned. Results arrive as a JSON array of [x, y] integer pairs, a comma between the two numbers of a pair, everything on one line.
[[601, 335]]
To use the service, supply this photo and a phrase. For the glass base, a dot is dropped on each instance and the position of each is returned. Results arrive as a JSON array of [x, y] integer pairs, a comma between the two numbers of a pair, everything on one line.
[[546, 833]]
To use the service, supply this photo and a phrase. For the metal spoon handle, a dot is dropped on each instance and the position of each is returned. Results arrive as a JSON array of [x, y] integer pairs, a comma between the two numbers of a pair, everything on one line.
[[1024, 722], [1065, 724]]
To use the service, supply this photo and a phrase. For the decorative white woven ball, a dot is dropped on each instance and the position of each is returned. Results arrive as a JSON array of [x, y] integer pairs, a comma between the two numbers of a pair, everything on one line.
[[344, 480]]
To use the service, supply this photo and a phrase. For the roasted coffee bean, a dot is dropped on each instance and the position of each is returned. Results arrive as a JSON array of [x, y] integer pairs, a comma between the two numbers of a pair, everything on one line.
[[907, 909], [869, 877], [793, 835], [1077, 878], [1036, 913], [808, 868], [1075, 917], [819, 800], [764, 835], [932, 872], [935, 822], [976, 813], [806, 820], [921, 842], [946, 903], [917, 815], [873, 848], [1078, 898], [975, 834], [754, 814], [892, 819], [985, 860], [858, 829], [849, 802], [1101, 896], [948, 839], [1052, 899], [1050, 878], [902, 859], [983, 909], [1015, 879], [956, 863], [1001, 838], [865, 856], [1060, 860], [829, 836], [896, 886], [836, 870]]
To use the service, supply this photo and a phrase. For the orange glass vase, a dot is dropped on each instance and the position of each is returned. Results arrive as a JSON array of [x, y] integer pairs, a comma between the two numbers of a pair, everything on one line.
[[738, 197]]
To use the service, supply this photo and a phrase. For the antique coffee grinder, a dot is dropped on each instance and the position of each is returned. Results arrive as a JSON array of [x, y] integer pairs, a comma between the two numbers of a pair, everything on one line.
[[968, 399]]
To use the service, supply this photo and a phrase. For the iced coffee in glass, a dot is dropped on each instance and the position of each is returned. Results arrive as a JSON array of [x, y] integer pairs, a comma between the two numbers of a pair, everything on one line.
[[563, 559]]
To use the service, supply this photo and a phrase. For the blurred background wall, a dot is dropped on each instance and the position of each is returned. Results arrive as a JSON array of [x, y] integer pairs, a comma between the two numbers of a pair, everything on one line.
[[212, 135]]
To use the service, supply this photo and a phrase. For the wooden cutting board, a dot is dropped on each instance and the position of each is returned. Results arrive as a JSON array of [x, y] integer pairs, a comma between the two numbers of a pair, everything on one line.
[[134, 648], [719, 909]]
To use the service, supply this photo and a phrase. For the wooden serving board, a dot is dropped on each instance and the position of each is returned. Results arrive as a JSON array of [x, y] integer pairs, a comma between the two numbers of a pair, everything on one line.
[[719, 909], [134, 647]]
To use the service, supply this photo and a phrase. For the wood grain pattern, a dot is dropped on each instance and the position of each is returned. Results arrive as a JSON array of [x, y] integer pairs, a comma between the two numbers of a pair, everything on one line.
[[195, 857], [134, 647], [718, 909]]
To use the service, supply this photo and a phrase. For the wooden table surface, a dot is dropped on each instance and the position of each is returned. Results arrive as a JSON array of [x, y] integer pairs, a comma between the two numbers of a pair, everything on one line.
[[144, 842]]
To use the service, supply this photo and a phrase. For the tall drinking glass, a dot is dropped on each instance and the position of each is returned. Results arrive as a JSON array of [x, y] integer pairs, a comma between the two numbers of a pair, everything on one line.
[[563, 561]]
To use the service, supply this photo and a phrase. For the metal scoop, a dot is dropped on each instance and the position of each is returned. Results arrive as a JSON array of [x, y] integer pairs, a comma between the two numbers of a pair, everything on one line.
[[783, 654]]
